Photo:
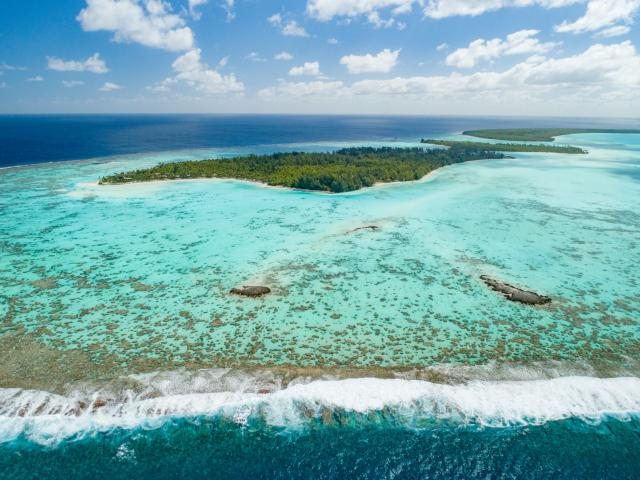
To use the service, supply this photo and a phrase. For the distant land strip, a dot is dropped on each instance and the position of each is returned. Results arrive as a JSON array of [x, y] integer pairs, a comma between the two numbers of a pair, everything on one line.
[[507, 147], [537, 134], [344, 170]]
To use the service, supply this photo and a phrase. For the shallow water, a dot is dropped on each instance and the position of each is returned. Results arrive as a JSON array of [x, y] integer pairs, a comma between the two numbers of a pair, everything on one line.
[[140, 274], [107, 292]]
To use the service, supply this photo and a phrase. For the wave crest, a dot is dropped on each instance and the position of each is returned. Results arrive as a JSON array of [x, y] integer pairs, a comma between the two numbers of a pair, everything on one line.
[[48, 418]]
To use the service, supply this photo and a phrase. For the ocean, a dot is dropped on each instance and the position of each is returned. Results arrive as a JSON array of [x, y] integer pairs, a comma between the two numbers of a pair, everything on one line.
[[379, 354]]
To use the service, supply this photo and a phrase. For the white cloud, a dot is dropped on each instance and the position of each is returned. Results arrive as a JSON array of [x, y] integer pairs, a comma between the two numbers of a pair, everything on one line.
[[601, 14], [37, 78], [325, 10], [381, 62], [163, 85], [275, 19], [223, 62], [6, 66], [228, 7], [441, 47], [309, 68], [289, 28], [292, 29], [93, 64], [285, 56], [255, 57], [299, 89], [604, 66], [333, 41], [448, 8], [193, 8], [601, 71], [515, 44], [109, 87], [200, 76], [615, 31], [377, 21], [147, 22], [72, 83]]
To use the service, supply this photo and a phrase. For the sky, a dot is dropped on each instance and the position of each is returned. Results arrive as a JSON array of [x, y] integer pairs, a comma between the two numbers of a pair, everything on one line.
[[427, 57]]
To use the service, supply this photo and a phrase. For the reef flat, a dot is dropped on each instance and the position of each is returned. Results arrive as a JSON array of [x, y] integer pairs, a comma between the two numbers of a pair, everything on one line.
[[341, 171]]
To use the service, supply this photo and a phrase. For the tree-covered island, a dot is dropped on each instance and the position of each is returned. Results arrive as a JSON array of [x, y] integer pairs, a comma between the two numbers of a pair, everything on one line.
[[340, 171], [507, 147], [537, 134]]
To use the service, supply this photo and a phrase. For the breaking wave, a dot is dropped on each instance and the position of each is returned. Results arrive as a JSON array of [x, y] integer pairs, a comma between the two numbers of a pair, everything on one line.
[[149, 401]]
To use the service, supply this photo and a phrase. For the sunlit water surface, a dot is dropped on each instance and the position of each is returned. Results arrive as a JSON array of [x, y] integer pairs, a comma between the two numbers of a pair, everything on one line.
[[105, 282]]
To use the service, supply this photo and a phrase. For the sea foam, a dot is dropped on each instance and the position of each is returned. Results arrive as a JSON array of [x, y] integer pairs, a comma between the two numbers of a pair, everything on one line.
[[48, 418]]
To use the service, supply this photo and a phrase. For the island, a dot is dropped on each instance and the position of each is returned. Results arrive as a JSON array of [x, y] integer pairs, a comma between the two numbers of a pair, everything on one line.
[[507, 147], [343, 170], [537, 134]]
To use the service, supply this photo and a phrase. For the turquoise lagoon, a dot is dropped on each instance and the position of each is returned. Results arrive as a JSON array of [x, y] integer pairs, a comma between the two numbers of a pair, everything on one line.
[[102, 281], [379, 354]]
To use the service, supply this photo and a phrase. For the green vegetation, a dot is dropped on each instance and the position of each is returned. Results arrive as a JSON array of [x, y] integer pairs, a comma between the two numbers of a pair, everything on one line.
[[341, 171], [508, 147], [537, 134]]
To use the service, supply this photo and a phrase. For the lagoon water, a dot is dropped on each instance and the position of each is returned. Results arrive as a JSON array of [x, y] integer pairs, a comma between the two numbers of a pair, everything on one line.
[[380, 354]]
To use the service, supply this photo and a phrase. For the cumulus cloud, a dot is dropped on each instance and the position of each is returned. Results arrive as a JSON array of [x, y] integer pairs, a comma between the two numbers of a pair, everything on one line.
[[147, 22], [190, 69], [193, 8], [325, 10], [614, 31], [449, 8], [109, 87], [381, 62], [72, 83], [163, 85], [37, 78], [228, 7], [309, 68], [255, 57], [292, 29], [289, 28], [601, 14], [6, 66], [299, 89], [284, 56], [93, 64], [522, 42], [605, 69]]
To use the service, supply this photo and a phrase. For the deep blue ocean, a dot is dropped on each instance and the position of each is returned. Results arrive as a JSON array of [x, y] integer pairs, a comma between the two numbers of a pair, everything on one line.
[[491, 428], [209, 449], [27, 139]]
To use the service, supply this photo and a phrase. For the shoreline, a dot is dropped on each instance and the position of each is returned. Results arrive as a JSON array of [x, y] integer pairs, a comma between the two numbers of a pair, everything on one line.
[[259, 184]]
